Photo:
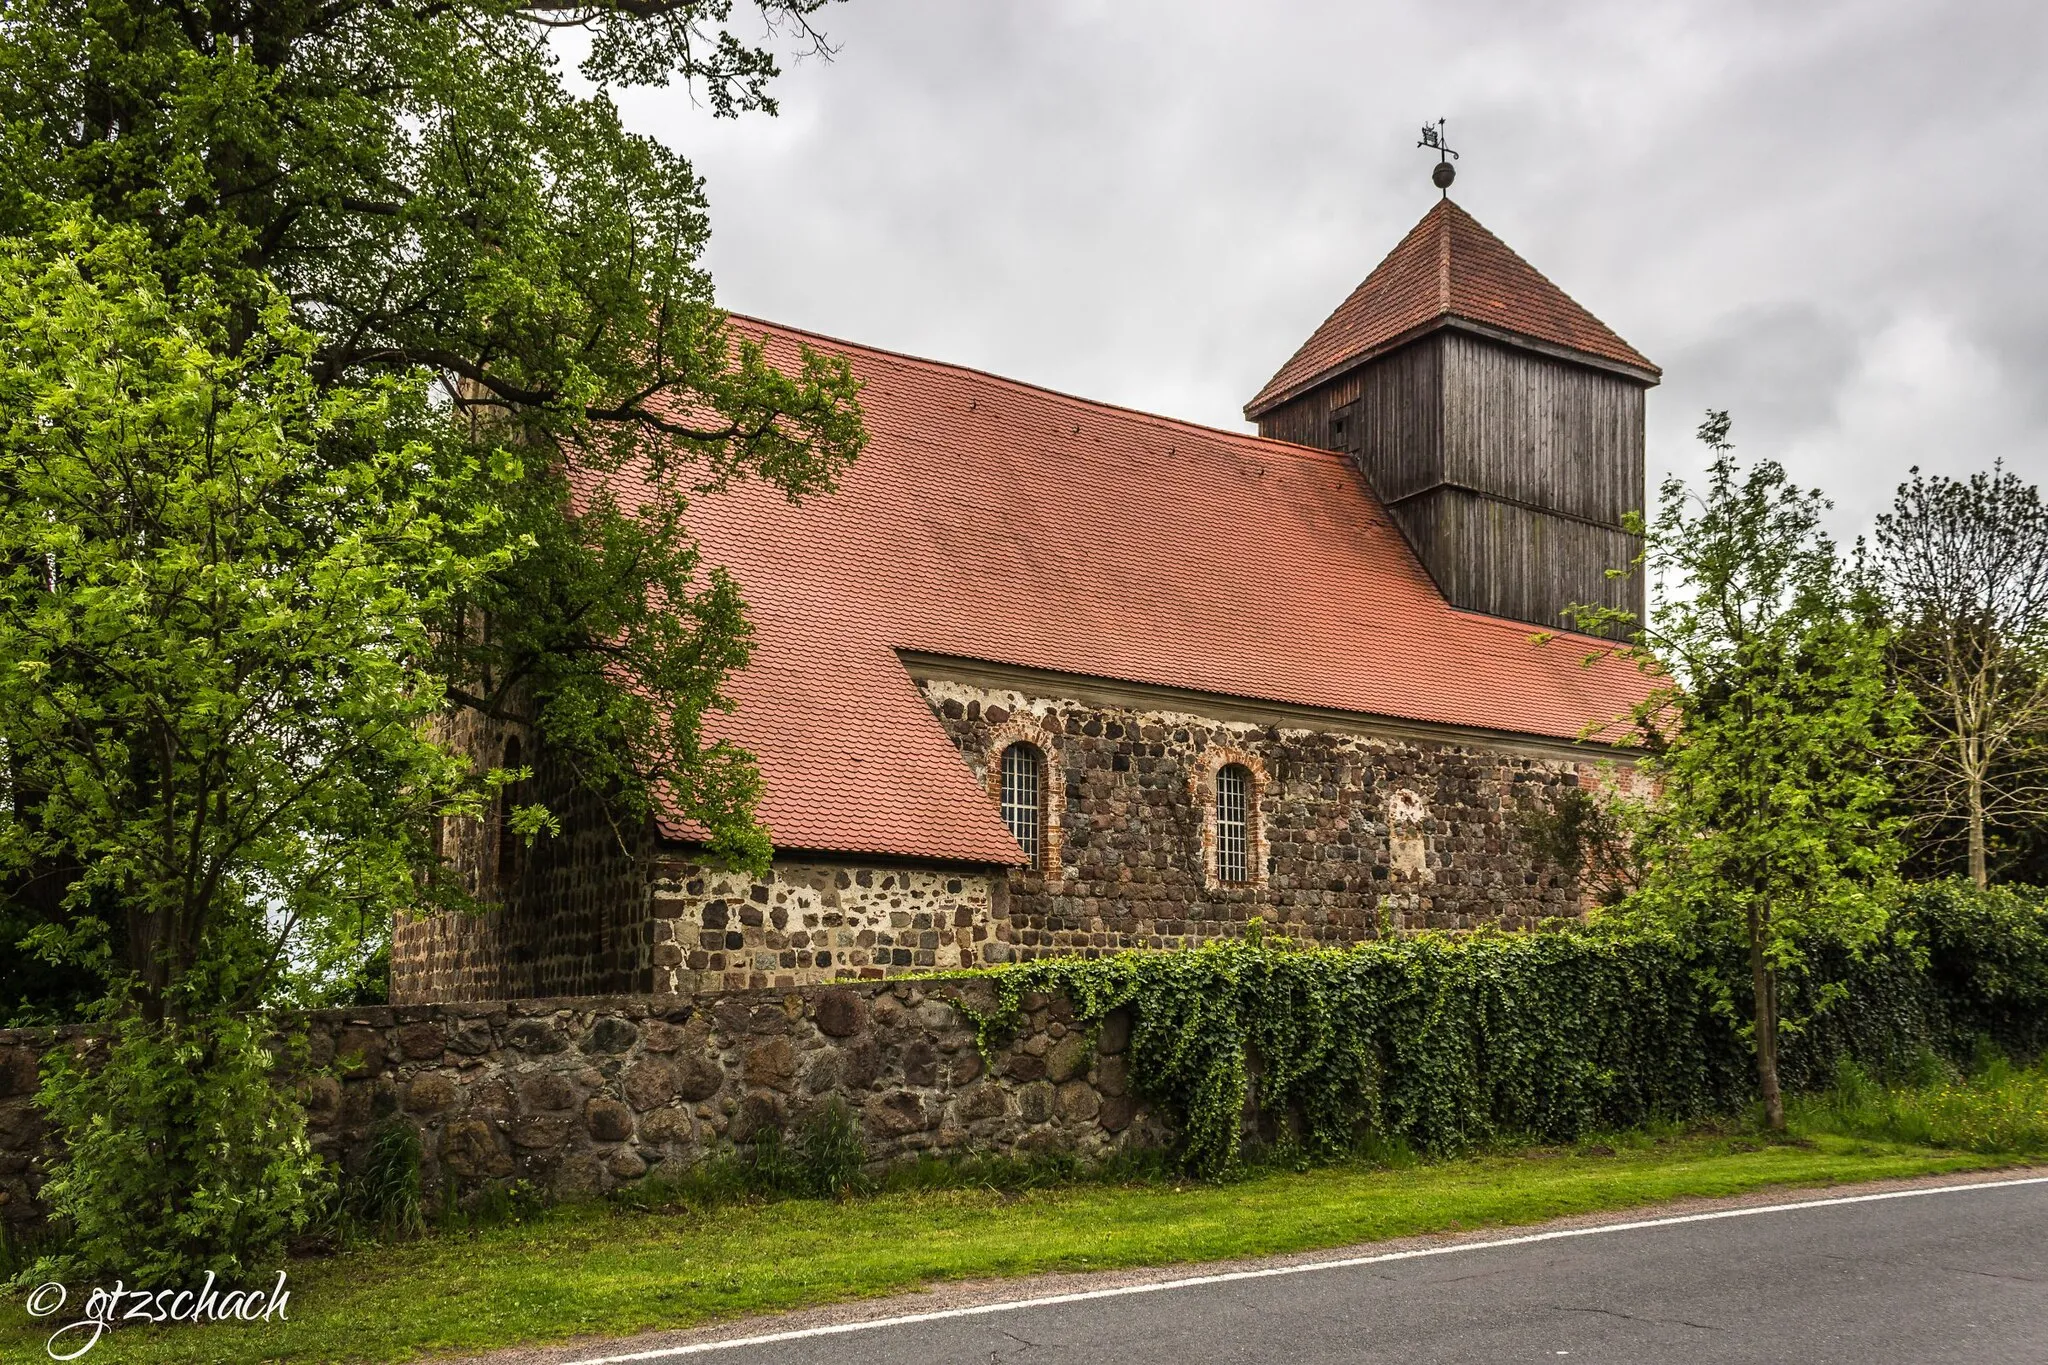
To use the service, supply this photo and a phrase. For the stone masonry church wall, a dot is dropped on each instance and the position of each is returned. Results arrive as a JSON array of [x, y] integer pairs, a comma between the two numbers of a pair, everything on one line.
[[1357, 833], [1359, 830], [566, 915]]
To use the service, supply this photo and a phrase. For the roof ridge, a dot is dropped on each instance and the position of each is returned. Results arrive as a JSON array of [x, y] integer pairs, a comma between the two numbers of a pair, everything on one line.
[[1251, 438], [1442, 214]]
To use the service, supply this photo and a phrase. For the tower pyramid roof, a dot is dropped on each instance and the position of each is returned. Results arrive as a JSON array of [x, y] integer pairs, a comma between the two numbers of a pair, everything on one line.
[[1447, 270]]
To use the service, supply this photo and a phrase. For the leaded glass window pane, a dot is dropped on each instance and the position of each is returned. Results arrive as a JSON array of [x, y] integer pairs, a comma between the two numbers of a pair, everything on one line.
[[1233, 832], [1021, 807]]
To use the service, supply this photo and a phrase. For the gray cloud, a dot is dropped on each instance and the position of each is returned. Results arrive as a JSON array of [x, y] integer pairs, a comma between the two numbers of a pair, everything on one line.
[[1824, 217]]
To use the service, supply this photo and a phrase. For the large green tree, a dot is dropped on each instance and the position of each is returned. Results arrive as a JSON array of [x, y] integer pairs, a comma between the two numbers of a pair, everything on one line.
[[356, 371], [216, 587], [1768, 733], [412, 193], [216, 689]]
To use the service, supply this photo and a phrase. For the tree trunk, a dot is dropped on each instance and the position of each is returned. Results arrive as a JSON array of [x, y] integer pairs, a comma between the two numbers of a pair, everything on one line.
[[1979, 872], [146, 951], [1764, 986]]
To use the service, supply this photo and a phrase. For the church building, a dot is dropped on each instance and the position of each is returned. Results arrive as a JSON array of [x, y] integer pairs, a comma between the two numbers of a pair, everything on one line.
[[1049, 676]]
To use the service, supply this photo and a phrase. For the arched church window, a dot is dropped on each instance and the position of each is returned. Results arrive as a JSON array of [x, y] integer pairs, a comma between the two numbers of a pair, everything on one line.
[[1023, 796], [1233, 823]]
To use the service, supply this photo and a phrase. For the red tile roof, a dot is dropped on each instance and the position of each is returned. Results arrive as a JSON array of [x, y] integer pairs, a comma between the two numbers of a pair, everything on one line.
[[995, 521], [1448, 266]]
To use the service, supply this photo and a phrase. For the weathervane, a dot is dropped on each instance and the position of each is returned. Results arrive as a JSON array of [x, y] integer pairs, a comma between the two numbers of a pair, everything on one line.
[[1445, 172]]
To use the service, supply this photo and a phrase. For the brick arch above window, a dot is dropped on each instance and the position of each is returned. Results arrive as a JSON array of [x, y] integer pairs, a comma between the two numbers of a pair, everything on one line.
[[1052, 787], [1204, 786]]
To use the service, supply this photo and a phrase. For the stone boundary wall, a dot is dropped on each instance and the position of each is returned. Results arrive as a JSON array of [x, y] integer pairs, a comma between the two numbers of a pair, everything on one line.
[[580, 1096]]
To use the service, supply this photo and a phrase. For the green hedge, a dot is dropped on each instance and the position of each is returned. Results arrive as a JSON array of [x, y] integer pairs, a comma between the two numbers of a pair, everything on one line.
[[1443, 1042], [1960, 966]]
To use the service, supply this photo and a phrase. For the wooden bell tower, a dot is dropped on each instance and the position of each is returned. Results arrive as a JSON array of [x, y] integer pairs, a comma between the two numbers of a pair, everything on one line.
[[1500, 422]]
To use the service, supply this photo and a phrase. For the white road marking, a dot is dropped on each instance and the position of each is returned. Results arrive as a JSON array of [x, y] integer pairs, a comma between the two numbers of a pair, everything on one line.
[[1299, 1268]]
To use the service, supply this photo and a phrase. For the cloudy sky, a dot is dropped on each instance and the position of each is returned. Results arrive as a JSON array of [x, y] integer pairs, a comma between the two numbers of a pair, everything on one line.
[[1828, 218]]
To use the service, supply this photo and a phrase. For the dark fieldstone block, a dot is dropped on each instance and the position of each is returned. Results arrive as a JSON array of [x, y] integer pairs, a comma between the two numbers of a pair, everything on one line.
[[473, 1150], [860, 1063], [770, 1063], [537, 1036], [759, 1114], [650, 1084], [665, 1126], [420, 1042], [611, 1035], [321, 1096], [662, 1036], [1067, 1058], [21, 1124], [360, 1050], [608, 1120], [698, 1077], [472, 1038], [921, 1064], [1078, 1101], [839, 1014], [545, 1092], [1035, 1102], [1116, 1113], [430, 1093], [17, 1072], [897, 1114], [983, 1102]]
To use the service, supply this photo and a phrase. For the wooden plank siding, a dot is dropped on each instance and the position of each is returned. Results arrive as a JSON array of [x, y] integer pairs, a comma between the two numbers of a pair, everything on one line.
[[1508, 470], [1509, 560], [1534, 430]]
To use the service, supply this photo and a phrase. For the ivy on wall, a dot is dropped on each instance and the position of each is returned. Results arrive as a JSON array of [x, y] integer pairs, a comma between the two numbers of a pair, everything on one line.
[[1445, 1042]]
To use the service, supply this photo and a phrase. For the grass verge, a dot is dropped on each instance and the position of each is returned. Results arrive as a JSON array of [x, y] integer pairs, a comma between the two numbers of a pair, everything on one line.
[[2000, 1107], [611, 1269]]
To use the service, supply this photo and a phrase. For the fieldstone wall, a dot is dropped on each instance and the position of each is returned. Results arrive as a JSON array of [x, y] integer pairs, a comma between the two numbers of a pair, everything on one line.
[[1356, 833], [577, 1097]]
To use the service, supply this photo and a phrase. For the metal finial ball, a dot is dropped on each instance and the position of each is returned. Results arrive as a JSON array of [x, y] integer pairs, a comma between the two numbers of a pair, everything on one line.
[[1443, 175]]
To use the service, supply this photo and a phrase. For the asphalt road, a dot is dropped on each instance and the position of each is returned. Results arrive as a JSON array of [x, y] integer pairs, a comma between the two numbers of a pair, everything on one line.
[[1959, 1276]]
